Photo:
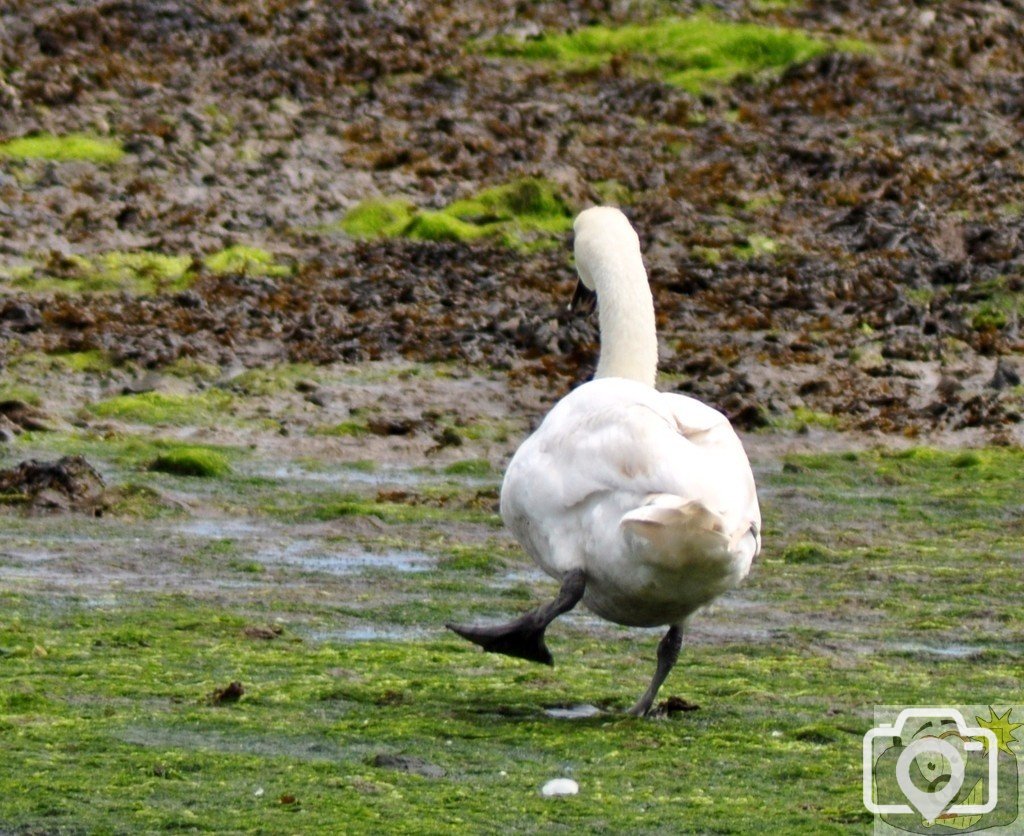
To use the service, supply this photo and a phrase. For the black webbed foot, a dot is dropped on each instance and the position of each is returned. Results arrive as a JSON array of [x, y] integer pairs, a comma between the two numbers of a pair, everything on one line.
[[524, 637], [524, 641]]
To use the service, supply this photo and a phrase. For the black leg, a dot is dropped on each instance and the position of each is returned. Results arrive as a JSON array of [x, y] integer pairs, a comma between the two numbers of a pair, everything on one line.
[[668, 653], [524, 637]]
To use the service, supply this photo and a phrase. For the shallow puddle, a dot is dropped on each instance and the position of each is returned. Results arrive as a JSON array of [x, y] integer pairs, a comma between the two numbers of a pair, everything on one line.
[[311, 555], [583, 711]]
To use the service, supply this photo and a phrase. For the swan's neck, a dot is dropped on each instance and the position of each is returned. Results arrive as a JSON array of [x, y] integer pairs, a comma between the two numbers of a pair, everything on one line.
[[629, 341]]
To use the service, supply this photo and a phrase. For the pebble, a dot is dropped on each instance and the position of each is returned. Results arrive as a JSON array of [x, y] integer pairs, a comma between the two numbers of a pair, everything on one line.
[[560, 786]]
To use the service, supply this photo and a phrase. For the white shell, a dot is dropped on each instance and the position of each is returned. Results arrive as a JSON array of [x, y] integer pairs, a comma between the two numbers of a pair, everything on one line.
[[560, 786]]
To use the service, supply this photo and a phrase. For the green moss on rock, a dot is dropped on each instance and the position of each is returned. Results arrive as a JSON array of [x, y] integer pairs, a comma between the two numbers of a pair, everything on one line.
[[441, 226], [192, 461], [378, 218], [240, 258], [478, 468], [525, 212], [165, 408], [693, 52], [74, 146], [136, 272]]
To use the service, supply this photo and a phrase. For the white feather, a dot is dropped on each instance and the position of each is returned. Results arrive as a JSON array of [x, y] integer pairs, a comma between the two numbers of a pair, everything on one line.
[[651, 494]]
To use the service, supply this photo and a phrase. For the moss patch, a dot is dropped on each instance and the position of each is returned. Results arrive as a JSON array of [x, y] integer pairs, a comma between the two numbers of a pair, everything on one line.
[[165, 408], [273, 379], [191, 461], [801, 418], [84, 362], [75, 146], [378, 218], [478, 468], [524, 213], [345, 429], [134, 272], [441, 226], [251, 261], [693, 53]]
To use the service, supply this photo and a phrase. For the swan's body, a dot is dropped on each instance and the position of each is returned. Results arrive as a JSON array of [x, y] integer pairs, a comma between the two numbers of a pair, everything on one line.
[[641, 502], [650, 494]]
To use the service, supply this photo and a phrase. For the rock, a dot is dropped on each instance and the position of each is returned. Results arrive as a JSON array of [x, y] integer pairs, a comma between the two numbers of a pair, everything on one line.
[[7, 430], [70, 484], [676, 705], [22, 416], [21, 317], [232, 693], [1005, 375], [988, 244], [149, 382], [393, 426]]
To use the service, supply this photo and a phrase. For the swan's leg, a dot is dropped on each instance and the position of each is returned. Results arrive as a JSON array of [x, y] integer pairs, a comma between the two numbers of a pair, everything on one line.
[[524, 637], [668, 653]]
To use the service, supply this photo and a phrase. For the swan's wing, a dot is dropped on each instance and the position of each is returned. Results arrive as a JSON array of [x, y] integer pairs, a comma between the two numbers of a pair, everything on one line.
[[727, 483], [625, 443]]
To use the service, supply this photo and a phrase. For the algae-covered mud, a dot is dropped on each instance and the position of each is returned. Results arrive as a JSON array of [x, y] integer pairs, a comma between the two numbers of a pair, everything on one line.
[[283, 286], [891, 578]]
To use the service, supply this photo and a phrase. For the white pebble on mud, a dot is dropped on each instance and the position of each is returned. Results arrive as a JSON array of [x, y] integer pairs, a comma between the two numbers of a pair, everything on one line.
[[560, 786]]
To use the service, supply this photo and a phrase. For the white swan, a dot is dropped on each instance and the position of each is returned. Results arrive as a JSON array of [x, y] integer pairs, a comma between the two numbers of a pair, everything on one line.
[[641, 502]]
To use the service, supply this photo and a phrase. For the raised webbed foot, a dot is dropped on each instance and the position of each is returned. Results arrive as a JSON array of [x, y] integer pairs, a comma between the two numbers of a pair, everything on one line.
[[524, 637], [519, 639]]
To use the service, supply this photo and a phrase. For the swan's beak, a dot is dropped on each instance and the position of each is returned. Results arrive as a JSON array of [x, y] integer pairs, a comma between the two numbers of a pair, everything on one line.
[[584, 300]]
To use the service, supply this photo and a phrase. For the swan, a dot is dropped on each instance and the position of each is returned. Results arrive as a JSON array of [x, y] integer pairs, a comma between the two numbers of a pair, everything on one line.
[[641, 503]]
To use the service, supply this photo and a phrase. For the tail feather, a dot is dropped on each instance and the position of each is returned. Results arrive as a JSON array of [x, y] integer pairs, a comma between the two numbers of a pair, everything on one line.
[[680, 530]]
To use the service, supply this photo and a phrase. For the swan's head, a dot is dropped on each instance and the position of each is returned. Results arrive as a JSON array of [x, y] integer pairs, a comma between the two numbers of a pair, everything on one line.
[[600, 232]]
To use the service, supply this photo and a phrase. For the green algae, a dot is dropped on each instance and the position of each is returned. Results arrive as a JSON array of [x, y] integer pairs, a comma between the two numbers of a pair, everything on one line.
[[93, 361], [192, 461], [69, 147], [694, 53], [140, 272], [174, 409], [876, 564], [116, 716], [125, 451], [378, 218], [428, 505], [20, 392], [248, 260], [441, 226], [345, 429], [478, 468], [529, 212], [757, 245], [274, 379], [801, 418], [190, 367]]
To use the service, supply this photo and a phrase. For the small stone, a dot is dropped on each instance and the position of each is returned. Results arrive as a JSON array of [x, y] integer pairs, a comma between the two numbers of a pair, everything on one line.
[[1005, 375], [560, 786], [21, 317], [231, 694]]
